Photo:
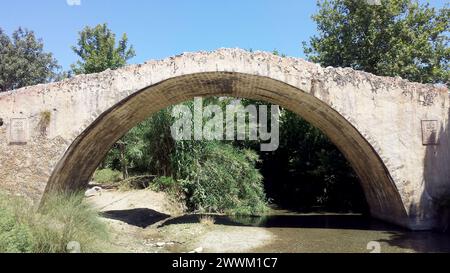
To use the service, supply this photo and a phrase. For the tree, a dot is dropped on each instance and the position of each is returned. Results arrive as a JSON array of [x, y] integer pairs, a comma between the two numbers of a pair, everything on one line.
[[397, 38], [23, 61], [98, 51]]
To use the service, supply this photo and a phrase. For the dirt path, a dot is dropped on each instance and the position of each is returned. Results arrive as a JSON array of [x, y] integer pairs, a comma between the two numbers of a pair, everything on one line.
[[135, 217]]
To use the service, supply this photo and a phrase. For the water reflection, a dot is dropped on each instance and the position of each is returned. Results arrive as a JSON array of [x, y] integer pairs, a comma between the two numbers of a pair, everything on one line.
[[297, 232]]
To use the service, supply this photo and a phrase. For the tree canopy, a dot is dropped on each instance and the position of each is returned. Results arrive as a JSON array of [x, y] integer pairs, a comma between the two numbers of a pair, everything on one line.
[[23, 61], [397, 38], [98, 50]]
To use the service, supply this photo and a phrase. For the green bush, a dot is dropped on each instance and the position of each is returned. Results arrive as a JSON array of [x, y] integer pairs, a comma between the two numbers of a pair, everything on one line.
[[218, 177], [164, 183], [60, 220], [171, 186], [107, 176]]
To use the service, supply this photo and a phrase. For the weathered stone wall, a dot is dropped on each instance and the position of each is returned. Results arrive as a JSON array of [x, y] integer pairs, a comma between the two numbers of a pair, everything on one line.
[[394, 133]]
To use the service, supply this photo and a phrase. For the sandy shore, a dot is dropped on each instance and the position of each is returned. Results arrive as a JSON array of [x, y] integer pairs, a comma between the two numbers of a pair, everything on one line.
[[134, 219]]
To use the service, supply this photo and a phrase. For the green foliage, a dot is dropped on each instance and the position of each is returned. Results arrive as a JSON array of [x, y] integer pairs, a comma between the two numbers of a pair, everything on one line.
[[159, 143], [61, 219], [155, 146], [23, 61], [308, 171], [104, 176], [98, 51], [204, 174], [128, 152], [164, 183], [15, 236], [277, 53], [218, 177], [147, 147], [396, 38]]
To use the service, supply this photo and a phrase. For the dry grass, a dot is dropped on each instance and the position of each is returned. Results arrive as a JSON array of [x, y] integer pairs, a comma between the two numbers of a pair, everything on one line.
[[207, 220], [62, 219]]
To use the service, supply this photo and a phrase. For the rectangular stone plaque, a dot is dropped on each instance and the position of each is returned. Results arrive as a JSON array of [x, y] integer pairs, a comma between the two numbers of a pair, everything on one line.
[[430, 131], [18, 131]]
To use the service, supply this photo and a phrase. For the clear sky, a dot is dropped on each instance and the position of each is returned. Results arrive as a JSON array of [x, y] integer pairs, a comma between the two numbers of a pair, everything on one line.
[[162, 28]]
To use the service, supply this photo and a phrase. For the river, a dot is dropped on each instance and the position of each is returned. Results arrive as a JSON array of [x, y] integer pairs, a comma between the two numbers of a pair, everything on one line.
[[334, 233]]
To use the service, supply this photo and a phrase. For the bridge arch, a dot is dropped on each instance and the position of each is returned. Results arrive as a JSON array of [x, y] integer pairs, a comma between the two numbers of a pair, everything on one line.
[[75, 169], [386, 127]]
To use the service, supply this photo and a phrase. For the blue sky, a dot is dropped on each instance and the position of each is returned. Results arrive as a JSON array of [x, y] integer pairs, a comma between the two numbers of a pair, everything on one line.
[[162, 28]]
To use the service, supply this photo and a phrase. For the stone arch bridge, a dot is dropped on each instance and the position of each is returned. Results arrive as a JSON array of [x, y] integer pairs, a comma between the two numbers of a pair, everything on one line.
[[394, 133]]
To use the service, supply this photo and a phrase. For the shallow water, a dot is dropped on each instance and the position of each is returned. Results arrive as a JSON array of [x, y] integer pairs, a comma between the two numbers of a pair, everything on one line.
[[323, 232]]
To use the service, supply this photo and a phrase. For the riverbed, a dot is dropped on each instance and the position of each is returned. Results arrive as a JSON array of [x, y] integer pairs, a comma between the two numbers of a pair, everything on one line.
[[331, 233], [142, 220]]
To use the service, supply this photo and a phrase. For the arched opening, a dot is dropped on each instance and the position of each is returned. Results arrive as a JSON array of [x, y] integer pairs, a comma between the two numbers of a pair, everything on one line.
[[307, 174], [88, 150]]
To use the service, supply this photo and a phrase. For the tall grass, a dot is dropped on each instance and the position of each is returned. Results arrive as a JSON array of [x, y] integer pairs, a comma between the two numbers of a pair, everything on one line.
[[60, 220], [15, 232], [207, 220]]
